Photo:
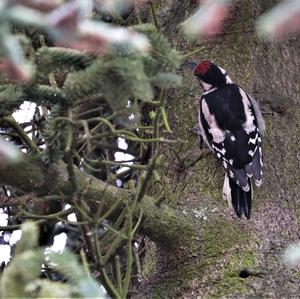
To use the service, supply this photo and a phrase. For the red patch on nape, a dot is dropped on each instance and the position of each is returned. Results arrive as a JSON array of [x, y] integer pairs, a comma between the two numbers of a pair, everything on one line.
[[202, 68]]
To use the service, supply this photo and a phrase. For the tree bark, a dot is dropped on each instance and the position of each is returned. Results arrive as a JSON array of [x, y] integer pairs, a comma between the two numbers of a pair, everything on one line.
[[233, 258]]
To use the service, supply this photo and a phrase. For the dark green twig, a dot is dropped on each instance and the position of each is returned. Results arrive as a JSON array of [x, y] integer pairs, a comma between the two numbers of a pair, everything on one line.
[[20, 131], [154, 15], [143, 182], [103, 272], [133, 166], [189, 54], [129, 260], [49, 216], [17, 226], [68, 151], [118, 274]]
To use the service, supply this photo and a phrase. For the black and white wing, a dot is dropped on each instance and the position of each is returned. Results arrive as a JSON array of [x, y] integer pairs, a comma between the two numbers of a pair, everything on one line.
[[237, 141], [230, 122]]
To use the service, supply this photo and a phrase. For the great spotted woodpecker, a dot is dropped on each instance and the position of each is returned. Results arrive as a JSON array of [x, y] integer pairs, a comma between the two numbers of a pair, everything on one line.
[[231, 124]]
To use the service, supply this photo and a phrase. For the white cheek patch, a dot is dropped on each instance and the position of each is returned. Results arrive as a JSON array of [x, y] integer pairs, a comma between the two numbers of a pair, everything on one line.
[[217, 134], [206, 86], [249, 123]]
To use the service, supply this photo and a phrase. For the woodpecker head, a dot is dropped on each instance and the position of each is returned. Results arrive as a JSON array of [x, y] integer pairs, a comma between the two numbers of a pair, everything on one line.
[[210, 75]]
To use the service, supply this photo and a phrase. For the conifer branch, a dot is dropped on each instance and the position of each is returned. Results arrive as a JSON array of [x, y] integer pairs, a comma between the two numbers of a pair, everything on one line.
[[129, 259], [105, 278], [154, 16], [57, 215], [20, 131], [118, 274]]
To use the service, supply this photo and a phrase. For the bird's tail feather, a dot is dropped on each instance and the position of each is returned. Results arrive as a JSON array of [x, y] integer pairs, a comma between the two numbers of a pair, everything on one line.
[[237, 198]]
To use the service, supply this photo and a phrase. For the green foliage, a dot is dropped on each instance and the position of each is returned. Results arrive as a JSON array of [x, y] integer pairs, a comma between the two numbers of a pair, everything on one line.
[[88, 102], [29, 240], [11, 97], [55, 57], [45, 94], [114, 79], [21, 278], [42, 288], [24, 267], [55, 135], [163, 58], [167, 80], [121, 77], [118, 78], [68, 265]]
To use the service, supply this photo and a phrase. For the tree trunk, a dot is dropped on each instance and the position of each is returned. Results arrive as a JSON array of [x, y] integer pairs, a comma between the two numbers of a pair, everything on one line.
[[202, 249], [232, 257]]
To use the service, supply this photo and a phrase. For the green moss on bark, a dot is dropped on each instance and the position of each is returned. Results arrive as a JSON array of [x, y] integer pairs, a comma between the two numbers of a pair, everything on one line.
[[226, 243], [219, 242], [173, 230], [219, 236], [230, 281]]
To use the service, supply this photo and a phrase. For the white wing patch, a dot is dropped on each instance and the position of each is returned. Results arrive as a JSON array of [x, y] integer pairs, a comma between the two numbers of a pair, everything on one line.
[[253, 140], [201, 126], [217, 134], [246, 188], [249, 125], [222, 151], [251, 153], [258, 182]]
